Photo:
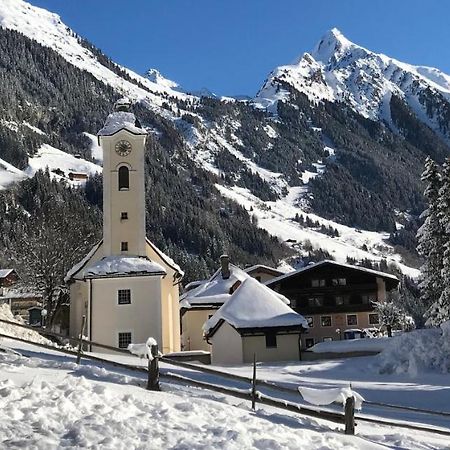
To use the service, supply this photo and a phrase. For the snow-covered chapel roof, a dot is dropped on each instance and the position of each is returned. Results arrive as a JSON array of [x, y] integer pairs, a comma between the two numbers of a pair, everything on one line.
[[123, 265], [121, 120], [78, 271], [254, 305]]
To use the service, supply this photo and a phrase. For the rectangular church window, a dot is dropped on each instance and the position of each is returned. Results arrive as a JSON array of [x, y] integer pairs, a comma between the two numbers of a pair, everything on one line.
[[124, 296], [124, 215], [124, 339], [124, 246]]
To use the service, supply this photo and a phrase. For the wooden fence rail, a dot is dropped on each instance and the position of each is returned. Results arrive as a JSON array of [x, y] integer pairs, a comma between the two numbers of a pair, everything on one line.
[[316, 413]]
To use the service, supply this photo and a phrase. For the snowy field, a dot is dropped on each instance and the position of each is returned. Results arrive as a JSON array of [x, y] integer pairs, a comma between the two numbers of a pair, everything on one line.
[[47, 401]]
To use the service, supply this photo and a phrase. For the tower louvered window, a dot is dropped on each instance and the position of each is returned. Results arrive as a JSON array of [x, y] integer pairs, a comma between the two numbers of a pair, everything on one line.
[[124, 178]]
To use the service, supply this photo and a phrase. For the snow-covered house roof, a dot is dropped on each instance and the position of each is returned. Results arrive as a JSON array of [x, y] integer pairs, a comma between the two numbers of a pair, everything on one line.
[[123, 265], [121, 120], [5, 272], [215, 291], [335, 263], [18, 294], [264, 268], [254, 305]]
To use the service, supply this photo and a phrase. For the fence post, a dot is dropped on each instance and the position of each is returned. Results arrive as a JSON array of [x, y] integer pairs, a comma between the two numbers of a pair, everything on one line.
[[153, 370], [349, 417], [254, 383], [80, 342]]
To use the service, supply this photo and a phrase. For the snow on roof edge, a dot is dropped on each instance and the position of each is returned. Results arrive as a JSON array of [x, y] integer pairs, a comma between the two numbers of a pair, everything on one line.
[[77, 267], [283, 316], [329, 261]]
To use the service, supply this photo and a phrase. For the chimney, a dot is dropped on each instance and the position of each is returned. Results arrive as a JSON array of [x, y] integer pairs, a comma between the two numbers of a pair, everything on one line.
[[225, 266]]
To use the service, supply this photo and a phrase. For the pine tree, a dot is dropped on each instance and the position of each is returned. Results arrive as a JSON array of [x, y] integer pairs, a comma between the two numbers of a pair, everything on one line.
[[440, 309], [430, 239]]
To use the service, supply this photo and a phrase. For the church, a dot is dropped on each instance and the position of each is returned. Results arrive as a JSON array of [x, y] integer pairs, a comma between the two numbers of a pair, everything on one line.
[[126, 287]]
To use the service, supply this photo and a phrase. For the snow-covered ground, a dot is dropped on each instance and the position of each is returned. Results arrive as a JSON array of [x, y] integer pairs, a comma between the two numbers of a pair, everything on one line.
[[278, 220], [61, 162], [352, 345], [9, 174], [47, 401]]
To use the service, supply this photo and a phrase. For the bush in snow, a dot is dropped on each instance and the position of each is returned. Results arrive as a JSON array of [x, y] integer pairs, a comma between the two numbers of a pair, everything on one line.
[[417, 351], [390, 316]]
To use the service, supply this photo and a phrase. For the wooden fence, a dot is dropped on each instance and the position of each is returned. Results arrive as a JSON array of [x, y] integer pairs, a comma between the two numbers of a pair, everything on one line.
[[154, 373]]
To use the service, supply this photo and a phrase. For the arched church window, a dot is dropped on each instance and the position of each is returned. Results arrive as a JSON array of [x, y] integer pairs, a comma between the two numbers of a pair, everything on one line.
[[124, 178]]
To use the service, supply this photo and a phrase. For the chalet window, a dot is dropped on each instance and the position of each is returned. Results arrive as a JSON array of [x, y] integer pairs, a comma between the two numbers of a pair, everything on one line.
[[309, 342], [124, 215], [310, 321], [339, 300], [124, 296], [339, 281], [374, 319], [367, 299], [318, 283], [271, 340], [124, 339], [315, 301], [325, 321], [356, 299], [124, 178], [124, 246], [352, 319]]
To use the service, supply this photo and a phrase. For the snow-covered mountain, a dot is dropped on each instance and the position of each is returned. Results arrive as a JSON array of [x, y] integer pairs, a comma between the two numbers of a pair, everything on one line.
[[267, 164], [339, 70], [48, 29]]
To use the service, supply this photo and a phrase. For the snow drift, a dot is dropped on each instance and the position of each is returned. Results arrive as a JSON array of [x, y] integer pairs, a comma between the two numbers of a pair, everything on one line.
[[13, 331], [417, 352]]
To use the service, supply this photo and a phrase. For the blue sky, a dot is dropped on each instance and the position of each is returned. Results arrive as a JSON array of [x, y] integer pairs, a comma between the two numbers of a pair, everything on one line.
[[230, 46]]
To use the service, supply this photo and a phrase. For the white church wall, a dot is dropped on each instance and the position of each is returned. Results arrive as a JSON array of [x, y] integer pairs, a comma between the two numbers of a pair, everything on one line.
[[78, 303], [170, 305], [142, 317], [131, 201]]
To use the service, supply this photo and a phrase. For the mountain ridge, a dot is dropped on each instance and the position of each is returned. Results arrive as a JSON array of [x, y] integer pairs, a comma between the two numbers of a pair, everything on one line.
[[340, 70], [275, 165]]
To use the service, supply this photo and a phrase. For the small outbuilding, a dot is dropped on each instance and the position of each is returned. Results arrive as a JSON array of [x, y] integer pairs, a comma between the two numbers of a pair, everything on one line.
[[254, 320], [202, 301]]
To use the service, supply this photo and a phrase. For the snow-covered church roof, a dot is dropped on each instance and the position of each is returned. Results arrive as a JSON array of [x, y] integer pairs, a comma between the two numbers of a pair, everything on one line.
[[121, 120], [123, 265], [78, 271], [215, 291], [254, 305]]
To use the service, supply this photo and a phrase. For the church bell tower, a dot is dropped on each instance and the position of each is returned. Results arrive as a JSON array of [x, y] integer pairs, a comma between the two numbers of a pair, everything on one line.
[[123, 142]]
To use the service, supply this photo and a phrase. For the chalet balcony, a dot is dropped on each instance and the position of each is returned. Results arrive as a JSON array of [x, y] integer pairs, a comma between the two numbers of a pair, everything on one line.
[[334, 309], [323, 290]]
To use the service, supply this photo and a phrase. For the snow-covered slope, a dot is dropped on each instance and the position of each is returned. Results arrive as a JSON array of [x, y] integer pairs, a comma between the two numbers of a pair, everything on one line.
[[48, 29], [205, 139], [61, 164], [339, 70], [9, 174]]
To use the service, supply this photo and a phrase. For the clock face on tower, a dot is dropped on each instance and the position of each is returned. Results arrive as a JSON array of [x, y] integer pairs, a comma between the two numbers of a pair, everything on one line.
[[123, 148]]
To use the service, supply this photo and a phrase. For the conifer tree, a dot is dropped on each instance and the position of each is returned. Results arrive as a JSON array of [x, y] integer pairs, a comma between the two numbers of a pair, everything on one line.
[[440, 309], [430, 238]]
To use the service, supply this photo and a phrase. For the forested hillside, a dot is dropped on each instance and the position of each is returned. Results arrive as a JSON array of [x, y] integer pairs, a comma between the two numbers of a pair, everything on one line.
[[186, 217], [223, 173]]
